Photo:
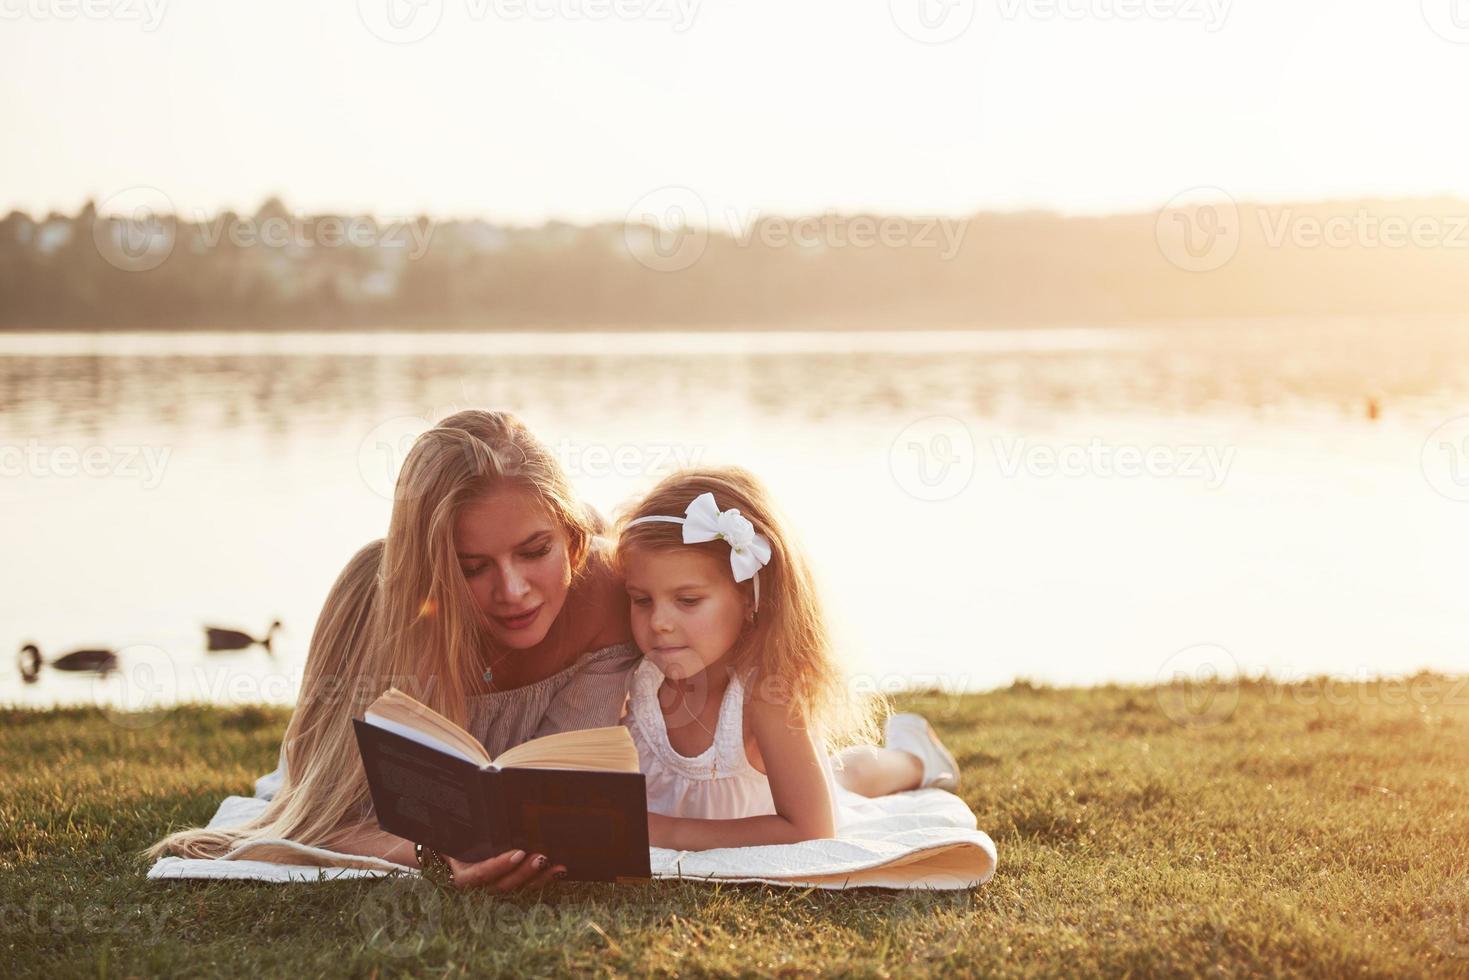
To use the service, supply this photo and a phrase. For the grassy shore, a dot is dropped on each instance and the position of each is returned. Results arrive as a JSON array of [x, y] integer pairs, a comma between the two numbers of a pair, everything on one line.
[[1319, 829]]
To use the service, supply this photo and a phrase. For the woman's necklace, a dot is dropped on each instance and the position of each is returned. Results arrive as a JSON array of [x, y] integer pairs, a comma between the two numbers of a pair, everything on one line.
[[553, 638]]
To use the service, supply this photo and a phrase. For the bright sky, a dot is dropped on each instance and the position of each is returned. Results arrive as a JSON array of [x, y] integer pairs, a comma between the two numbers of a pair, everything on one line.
[[522, 110]]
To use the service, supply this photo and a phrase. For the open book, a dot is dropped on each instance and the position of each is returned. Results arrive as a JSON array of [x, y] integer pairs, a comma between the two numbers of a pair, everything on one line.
[[576, 797]]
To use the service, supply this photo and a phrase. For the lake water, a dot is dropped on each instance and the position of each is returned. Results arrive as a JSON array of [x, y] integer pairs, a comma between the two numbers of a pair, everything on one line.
[[1073, 506]]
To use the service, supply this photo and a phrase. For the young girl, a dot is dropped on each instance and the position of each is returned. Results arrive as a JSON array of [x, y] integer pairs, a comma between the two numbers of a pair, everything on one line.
[[739, 691]]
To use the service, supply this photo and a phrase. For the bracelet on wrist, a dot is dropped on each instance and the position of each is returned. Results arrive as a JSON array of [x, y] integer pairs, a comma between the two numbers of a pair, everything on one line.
[[432, 866]]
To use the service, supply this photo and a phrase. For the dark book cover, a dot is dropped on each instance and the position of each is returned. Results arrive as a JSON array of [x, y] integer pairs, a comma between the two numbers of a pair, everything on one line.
[[594, 823]]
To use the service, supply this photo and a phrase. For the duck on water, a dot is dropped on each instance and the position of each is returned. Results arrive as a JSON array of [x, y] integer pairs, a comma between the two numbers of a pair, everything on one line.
[[218, 638], [96, 661]]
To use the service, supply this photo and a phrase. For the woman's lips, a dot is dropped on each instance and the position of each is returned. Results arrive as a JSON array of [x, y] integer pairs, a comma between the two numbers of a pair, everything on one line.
[[519, 622]]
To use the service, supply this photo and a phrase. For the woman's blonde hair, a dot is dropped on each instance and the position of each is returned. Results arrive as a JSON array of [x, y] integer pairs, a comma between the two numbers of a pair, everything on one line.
[[400, 614], [786, 654]]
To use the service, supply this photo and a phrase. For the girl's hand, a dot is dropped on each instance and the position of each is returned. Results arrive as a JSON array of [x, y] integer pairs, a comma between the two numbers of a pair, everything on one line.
[[660, 830], [506, 872]]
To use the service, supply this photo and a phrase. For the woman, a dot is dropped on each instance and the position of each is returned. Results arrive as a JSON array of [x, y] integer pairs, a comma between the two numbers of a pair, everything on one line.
[[492, 601]]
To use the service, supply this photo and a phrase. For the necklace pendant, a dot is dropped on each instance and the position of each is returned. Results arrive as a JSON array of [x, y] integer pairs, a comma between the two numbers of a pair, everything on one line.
[[489, 675]]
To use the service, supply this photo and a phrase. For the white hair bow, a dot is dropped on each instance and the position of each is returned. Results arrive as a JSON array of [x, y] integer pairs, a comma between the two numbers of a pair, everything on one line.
[[704, 521]]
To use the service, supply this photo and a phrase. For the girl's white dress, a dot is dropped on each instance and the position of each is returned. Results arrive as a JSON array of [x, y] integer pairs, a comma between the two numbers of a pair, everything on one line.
[[719, 783]]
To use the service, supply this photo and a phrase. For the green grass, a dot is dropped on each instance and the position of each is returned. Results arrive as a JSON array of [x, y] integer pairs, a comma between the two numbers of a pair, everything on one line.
[[1312, 829]]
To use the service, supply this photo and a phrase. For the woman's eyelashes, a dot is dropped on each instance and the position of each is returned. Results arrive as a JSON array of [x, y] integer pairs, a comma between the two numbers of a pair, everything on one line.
[[472, 571]]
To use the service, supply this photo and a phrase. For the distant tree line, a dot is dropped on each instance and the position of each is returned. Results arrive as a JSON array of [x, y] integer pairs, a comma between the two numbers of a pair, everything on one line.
[[279, 269]]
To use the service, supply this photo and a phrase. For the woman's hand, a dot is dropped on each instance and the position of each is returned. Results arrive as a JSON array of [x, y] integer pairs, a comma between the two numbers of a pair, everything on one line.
[[506, 872]]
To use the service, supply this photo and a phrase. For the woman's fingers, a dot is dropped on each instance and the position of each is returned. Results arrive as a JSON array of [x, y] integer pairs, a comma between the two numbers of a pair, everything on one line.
[[546, 875], [526, 871], [490, 872], [507, 872]]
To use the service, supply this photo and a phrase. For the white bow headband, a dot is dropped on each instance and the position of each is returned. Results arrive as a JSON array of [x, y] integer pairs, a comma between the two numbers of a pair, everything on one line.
[[704, 521]]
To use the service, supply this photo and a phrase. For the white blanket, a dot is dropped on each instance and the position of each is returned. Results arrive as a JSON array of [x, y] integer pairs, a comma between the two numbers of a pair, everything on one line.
[[923, 839]]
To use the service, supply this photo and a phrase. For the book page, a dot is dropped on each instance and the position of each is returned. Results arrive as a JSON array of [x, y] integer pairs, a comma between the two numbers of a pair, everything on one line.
[[404, 715], [610, 749]]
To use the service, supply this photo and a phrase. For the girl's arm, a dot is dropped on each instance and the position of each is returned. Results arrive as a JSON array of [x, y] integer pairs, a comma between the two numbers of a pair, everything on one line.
[[797, 773]]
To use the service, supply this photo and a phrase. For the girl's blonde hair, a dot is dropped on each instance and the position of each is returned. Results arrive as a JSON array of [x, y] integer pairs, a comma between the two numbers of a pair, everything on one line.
[[400, 614], [787, 653]]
